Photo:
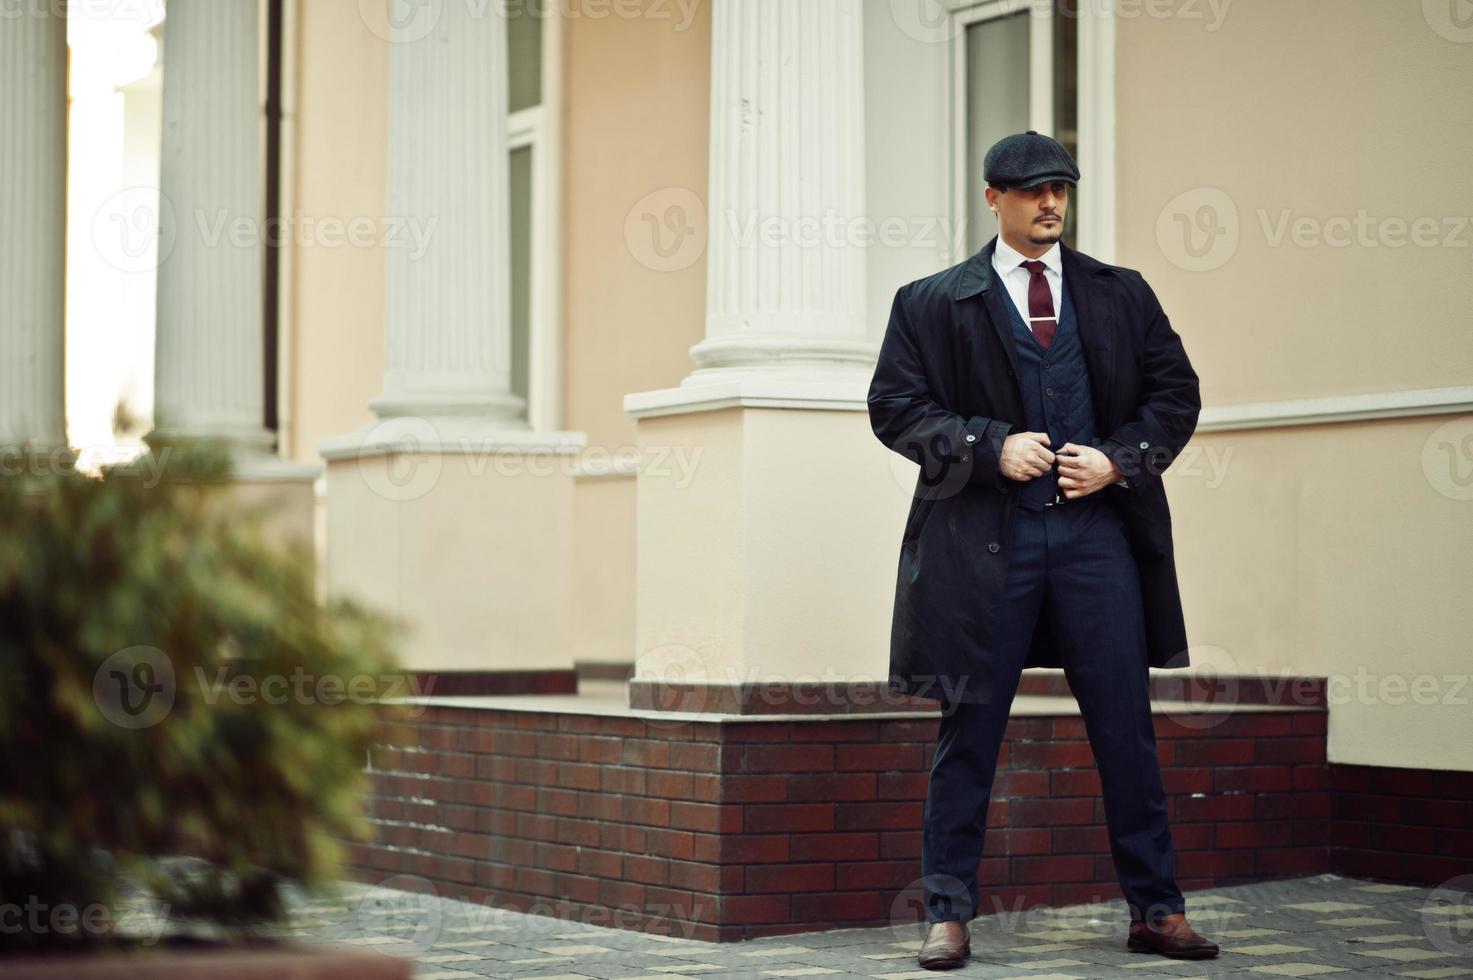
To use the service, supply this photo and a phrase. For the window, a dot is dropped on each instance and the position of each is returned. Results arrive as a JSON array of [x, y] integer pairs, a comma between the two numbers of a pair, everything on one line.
[[1017, 66], [534, 351]]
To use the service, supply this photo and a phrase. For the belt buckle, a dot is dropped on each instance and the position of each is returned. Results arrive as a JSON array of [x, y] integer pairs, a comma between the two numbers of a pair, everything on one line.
[[1059, 498]]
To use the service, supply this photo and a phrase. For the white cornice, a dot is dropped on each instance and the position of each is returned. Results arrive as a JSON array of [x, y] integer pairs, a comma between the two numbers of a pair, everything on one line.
[[1337, 408], [850, 396], [749, 393], [463, 436]]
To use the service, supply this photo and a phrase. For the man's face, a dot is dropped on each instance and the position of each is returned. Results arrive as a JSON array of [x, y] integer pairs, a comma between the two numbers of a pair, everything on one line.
[[1033, 214]]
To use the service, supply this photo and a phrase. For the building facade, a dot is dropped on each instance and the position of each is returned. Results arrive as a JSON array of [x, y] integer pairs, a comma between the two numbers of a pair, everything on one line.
[[577, 303]]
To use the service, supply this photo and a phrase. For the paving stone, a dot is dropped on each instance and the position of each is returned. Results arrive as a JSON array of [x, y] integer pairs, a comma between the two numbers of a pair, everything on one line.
[[1393, 937], [1406, 954], [1321, 925]]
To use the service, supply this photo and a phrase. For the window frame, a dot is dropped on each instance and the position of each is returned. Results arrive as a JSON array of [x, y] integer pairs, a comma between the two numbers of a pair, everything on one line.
[[537, 129], [1095, 112]]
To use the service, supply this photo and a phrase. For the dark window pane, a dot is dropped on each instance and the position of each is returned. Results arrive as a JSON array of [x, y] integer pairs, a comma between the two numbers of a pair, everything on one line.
[[524, 54], [521, 269], [997, 104], [1066, 95]]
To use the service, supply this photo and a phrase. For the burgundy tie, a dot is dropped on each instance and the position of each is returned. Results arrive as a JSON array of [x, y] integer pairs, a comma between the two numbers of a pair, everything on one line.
[[1040, 304]]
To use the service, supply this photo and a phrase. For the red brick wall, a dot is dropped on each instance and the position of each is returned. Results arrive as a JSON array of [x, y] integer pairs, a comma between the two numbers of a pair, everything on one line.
[[722, 831], [1405, 824], [1246, 797]]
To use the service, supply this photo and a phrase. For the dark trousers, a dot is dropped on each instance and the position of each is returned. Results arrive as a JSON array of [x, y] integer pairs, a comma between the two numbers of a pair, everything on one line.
[[1072, 564]]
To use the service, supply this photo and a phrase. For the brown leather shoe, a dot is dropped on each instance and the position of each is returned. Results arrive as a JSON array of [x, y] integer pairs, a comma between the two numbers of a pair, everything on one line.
[[947, 945], [1172, 936]]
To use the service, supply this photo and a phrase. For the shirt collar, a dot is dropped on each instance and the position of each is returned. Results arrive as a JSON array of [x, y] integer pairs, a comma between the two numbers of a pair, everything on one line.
[[1006, 258]]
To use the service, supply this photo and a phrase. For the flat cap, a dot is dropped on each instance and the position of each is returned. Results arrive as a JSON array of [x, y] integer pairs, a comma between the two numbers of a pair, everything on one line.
[[1027, 160]]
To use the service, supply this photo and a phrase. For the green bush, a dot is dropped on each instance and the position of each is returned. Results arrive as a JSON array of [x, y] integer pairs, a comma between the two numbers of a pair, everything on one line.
[[126, 601]]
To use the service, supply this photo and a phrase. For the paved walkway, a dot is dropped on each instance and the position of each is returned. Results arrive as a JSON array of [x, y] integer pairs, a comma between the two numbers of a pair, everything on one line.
[[1302, 927]]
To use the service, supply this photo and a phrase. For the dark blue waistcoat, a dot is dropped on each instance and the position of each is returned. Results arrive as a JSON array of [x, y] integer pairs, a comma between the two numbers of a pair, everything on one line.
[[1056, 395]]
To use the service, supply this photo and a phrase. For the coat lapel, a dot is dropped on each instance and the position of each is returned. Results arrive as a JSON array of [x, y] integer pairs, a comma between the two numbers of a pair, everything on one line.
[[1094, 313], [1095, 316], [977, 279]]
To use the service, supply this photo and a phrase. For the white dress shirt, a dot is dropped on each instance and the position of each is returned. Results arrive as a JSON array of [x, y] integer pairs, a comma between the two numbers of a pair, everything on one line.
[[1007, 262]]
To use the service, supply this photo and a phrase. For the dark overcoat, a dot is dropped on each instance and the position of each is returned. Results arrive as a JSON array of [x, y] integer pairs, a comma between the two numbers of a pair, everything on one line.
[[945, 394]]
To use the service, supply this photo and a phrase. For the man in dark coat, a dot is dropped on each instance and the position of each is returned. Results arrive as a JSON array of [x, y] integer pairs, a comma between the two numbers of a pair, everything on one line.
[[1043, 394]]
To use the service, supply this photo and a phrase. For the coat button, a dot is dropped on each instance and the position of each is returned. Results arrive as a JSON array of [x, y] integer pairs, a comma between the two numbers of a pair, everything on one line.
[[994, 547], [1145, 445], [971, 438], [966, 459]]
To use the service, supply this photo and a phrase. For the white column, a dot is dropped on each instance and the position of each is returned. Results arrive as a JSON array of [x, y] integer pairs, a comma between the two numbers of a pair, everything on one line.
[[793, 507], [786, 256], [449, 509], [209, 354], [447, 345], [33, 105]]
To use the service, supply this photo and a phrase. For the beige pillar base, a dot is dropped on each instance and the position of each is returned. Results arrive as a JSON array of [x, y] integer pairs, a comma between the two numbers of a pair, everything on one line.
[[767, 545], [470, 546], [291, 506], [282, 489]]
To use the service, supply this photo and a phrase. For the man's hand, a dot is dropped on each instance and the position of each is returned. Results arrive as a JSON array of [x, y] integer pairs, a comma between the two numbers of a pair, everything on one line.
[[1025, 455], [1084, 469]]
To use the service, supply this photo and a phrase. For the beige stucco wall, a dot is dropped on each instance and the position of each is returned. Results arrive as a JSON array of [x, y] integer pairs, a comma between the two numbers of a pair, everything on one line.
[[635, 141], [603, 569], [637, 118], [767, 545], [288, 505], [1334, 550], [1319, 108], [472, 553], [1291, 570], [339, 174]]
